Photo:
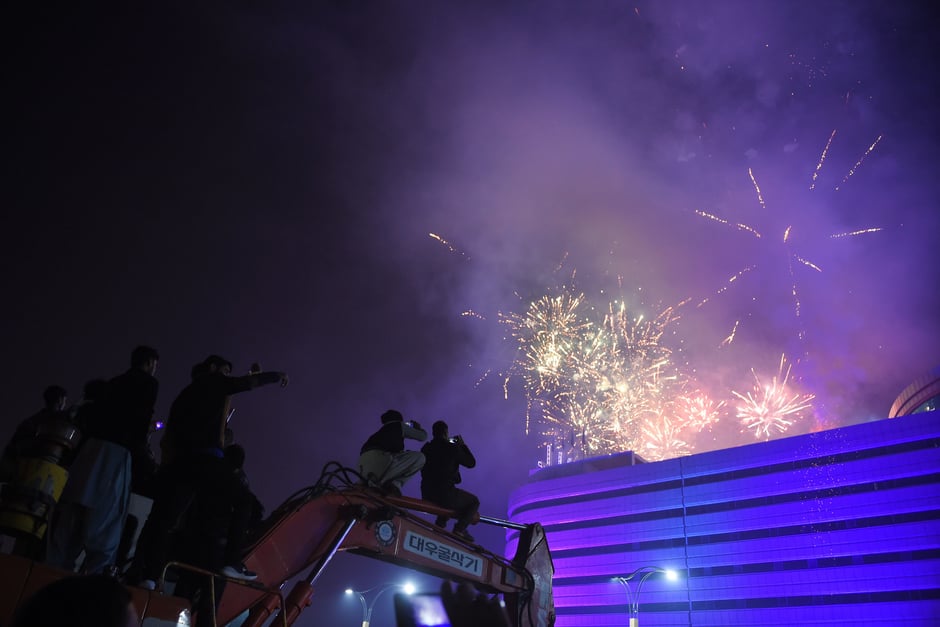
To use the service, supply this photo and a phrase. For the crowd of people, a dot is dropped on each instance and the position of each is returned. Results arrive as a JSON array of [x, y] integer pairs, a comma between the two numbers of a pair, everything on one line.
[[202, 506], [203, 509]]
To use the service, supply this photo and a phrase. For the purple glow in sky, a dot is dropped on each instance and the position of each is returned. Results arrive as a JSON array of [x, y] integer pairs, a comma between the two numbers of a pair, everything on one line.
[[260, 182]]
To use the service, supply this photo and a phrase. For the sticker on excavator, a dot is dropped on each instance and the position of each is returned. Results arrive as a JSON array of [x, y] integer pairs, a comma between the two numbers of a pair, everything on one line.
[[443, 553]]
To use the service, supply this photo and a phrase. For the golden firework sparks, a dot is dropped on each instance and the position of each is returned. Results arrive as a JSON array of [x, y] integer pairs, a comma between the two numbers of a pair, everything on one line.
[[731, 335], [736, 225], [589, 381], [822, 158], [663, 439], [734, 277], [859, 162], [792, 257], [771, 408], [807, 263], [449, 246], [856, 233], [760, 196], [699, 410]]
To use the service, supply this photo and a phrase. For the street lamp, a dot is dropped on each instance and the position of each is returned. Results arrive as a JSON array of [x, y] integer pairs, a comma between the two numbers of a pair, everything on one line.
[[407, 588], [633, 596]]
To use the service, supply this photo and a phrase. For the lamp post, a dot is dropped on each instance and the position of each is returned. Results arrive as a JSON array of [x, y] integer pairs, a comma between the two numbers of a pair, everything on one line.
[[633, 596], [367, 606]]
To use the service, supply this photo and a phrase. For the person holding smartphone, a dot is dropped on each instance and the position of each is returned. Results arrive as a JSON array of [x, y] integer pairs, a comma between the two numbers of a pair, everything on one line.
[[444, 456], [384, 462]]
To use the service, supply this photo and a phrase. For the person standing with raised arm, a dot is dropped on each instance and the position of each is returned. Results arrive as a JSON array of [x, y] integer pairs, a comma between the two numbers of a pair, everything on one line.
[[198, 476]]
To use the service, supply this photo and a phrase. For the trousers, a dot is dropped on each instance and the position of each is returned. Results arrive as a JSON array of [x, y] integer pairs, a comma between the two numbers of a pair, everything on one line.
[[396, 468]]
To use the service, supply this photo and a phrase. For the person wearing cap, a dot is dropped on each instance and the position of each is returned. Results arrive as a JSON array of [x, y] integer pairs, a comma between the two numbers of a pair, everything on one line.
[[383, 460]]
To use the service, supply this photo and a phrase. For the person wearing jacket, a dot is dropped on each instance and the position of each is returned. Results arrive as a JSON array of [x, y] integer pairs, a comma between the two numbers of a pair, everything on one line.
[[199, 499], [440, 475], [383, 460]]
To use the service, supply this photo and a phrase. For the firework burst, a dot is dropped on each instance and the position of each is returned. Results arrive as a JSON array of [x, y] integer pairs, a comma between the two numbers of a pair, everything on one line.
[[699, 410], [771, 408], [663, 438], [595, 382], [606, 377], [792, 258]]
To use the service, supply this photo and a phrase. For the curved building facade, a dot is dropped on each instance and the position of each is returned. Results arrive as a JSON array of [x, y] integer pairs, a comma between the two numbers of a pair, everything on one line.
[[920, 396], [840, 527]]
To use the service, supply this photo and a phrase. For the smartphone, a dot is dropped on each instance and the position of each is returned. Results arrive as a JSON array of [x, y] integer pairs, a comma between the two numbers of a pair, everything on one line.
[[421, 609]]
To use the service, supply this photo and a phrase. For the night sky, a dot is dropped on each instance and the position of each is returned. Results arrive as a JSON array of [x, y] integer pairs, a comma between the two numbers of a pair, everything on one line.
[[260, 182]]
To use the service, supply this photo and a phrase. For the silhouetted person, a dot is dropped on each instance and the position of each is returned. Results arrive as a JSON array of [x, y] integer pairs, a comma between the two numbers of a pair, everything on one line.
[[89, 601], [24, 442], [94, 504], [441, 473], [132, 397], [167, 444], [32, 472], [198, 479], [383, 460]]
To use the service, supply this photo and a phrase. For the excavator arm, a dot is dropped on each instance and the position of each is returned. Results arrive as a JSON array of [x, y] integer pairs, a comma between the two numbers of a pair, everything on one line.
[[305, 533]]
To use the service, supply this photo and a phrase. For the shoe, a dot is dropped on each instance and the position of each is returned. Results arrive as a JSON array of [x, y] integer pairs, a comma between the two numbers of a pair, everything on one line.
[[147, 584], [391, 489], [238, 571], [441, 521], [464, 534]]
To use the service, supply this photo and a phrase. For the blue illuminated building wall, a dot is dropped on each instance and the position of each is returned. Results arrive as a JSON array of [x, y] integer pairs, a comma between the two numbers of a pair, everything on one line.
[[840, 527]]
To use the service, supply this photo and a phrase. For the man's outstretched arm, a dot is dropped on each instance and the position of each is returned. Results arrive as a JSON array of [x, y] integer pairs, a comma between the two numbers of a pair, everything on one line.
[[234, 385]]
